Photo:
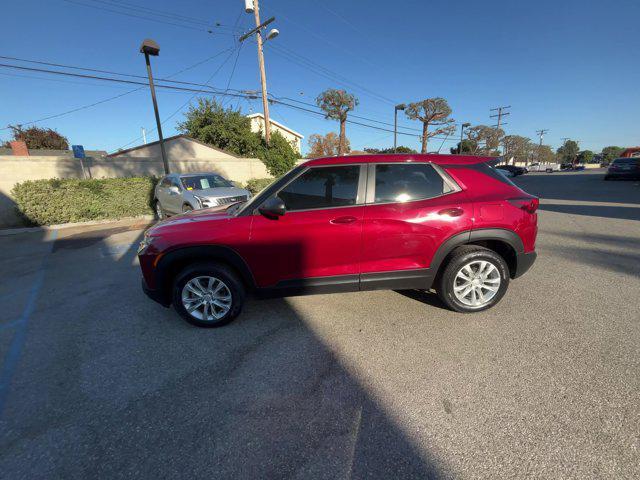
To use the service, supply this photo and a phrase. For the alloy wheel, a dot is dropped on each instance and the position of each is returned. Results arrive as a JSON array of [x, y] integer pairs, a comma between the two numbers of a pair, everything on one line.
[[206, 298], [476, 283]]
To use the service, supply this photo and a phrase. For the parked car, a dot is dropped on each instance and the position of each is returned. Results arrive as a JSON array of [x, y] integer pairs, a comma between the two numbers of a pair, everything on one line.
[[513, 169], [179, 193], [505, 173], [345, 224], [628, 167]]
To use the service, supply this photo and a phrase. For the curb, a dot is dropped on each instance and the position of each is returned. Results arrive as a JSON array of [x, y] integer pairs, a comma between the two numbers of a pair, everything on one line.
[[62, 226]]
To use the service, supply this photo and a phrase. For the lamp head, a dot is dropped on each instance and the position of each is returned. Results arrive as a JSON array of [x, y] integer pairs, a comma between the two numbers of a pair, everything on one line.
[[150, 47]]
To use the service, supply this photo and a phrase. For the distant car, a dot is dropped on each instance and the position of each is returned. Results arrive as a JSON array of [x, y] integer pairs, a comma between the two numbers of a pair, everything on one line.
[[566, 166], [181, 193], [544, 167], [513, 169], [578, 167], [628, 168]]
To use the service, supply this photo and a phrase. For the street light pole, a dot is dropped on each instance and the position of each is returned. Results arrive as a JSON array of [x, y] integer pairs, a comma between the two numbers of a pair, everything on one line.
[[400, 106], [149, 47]]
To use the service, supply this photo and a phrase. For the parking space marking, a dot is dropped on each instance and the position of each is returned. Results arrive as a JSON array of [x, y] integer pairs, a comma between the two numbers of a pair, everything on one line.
[[17, 342]]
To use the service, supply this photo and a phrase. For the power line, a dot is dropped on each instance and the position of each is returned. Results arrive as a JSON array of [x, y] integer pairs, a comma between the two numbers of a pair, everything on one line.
[[49, 117], [148, 15], [205, 89]]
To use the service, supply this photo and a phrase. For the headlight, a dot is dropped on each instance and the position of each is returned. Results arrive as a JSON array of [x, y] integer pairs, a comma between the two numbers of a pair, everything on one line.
[[204, 202], [144, 244]]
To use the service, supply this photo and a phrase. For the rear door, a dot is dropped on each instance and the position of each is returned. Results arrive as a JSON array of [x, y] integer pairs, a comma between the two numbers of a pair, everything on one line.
[[411, 209], [319, 236]]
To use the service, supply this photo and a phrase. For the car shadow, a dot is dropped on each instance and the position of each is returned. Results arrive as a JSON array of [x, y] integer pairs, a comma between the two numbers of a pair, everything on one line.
[[107, 383], [423, 296]]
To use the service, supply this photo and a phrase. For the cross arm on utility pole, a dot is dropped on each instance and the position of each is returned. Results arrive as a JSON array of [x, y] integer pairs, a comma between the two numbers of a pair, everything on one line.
[[257, 29]]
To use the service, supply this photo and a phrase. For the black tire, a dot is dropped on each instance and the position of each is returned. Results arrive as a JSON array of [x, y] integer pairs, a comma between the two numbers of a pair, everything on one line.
[[549, 170], [220, 272], [186, 208], [159, 212], [460, 257]]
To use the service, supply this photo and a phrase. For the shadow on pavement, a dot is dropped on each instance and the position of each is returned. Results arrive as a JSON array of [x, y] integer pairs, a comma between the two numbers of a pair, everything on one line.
[[108, 384], [624, 213]]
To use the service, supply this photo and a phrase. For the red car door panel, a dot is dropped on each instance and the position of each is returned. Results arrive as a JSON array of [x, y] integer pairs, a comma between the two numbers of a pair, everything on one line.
[[306, 244], [404, 236]]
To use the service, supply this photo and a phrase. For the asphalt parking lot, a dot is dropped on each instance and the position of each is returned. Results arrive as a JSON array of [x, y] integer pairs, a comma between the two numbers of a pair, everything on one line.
[[99, 382]]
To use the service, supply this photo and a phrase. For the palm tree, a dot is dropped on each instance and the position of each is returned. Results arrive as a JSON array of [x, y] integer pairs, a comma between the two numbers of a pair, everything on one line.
[[431, 111], [336, 104]]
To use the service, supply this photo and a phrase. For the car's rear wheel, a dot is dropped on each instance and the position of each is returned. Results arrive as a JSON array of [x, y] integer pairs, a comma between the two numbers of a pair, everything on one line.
[[186, 208], [474, 279], [208, 295]]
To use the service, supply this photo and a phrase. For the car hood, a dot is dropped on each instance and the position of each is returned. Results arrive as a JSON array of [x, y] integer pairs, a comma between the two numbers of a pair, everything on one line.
[[220, 192], [189, 218]]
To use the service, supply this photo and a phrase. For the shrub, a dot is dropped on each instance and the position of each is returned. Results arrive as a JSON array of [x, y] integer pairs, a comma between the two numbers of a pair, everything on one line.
[[255, 185], [51, 201], [39, 138]]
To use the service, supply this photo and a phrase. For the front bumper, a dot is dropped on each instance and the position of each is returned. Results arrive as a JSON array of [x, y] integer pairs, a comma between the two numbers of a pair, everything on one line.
[[155, 295], [630, 174], [524, 262]]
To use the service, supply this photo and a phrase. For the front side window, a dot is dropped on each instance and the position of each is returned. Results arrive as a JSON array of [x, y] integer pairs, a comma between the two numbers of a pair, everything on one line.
[[202, 182], [166, 182], [322, 187], [404, 182]]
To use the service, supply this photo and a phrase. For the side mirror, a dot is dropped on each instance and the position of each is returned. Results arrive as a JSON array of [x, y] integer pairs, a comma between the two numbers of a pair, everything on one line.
[[173, 189], [272, 208]]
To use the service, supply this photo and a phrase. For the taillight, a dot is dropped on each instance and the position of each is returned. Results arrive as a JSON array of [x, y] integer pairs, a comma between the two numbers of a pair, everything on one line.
[[528, 204]]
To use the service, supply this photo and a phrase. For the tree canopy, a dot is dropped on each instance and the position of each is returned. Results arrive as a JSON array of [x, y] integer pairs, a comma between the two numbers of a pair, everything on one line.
[[38, 138], [399, 149], [228, 129], [568, 151], [486, 139], [611, 152], [585, 156]]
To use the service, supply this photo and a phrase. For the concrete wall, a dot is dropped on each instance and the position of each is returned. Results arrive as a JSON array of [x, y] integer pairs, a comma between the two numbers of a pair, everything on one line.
[[15, 169]]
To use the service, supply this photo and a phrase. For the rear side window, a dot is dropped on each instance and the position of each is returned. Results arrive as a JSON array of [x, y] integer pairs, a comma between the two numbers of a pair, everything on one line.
[[322, 187], [403, 182]]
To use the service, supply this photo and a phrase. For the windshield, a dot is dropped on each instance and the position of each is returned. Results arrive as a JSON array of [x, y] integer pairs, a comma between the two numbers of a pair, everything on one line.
[[625, 161], [201, 182]]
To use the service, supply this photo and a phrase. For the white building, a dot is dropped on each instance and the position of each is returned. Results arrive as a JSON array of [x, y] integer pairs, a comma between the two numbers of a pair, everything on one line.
[[257, 125]]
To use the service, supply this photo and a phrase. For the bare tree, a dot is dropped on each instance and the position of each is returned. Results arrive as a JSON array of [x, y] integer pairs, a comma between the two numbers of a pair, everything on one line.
[[325, 145], [431, 112], [336, 104], [486, 139]]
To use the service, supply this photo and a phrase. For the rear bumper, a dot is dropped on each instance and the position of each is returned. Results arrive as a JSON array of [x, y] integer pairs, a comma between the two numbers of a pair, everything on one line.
[[155, 295], [628, 174], [524, 262]]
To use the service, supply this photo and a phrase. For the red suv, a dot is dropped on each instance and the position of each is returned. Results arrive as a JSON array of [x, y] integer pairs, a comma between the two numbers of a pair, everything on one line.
[[344, 224]]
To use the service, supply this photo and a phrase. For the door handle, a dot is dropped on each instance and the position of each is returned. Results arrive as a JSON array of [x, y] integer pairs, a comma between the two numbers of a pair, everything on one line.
[[451, 212], [342, 220]]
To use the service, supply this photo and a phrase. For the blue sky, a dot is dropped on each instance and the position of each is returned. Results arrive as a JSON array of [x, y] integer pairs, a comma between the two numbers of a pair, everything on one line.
[[568, 66]]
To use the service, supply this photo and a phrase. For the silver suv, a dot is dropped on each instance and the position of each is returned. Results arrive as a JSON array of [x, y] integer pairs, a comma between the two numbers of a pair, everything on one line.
[[180, 193]]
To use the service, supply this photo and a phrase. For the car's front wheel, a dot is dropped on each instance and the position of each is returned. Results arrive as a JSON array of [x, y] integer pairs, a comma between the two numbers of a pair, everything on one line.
[[475, 279], [208, 295]]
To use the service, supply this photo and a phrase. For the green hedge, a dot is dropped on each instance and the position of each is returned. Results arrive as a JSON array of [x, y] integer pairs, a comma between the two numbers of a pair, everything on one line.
[[255, 185], [52, 201]]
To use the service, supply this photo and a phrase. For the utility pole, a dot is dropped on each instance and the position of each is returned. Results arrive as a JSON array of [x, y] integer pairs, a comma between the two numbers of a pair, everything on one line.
[[541, 133], [501, 113], [252, 5]]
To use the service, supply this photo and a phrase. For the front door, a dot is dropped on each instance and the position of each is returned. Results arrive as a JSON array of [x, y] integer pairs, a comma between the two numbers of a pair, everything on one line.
[[318, 240]]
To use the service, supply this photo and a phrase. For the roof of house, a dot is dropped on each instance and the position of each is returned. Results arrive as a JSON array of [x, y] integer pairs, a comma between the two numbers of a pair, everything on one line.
[[182, 135], [277, 124]]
